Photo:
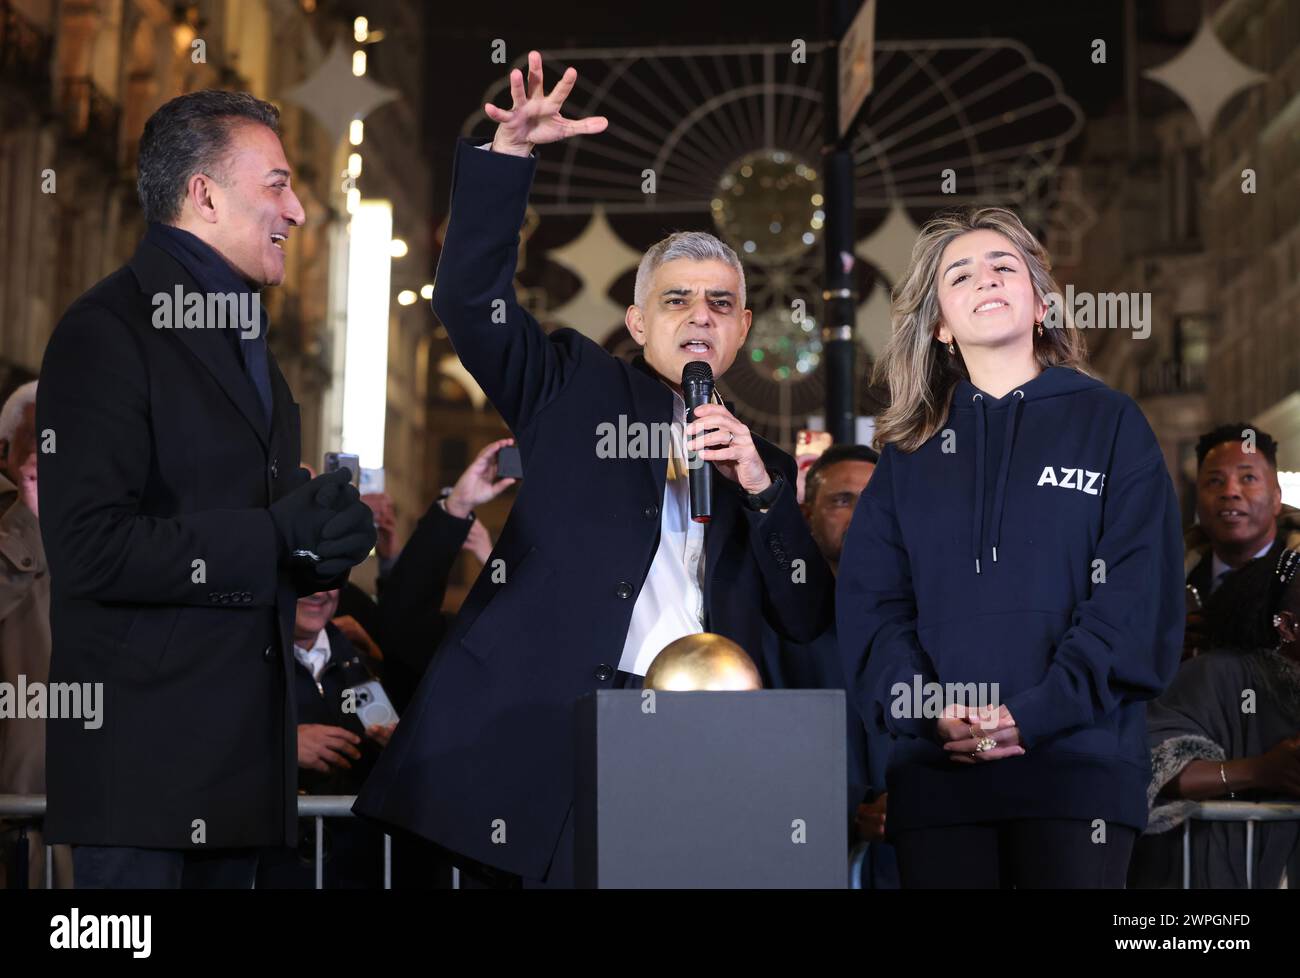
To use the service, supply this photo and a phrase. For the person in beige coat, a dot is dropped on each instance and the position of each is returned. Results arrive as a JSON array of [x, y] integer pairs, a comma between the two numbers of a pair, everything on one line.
[[24, 630]]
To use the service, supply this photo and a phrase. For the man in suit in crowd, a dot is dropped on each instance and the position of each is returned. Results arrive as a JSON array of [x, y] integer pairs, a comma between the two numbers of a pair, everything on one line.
[[1239, 514], [179, 528], [600, 564]]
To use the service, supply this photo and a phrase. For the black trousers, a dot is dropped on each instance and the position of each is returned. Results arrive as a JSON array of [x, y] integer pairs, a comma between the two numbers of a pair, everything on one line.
[[1025, 853], [129, 868]]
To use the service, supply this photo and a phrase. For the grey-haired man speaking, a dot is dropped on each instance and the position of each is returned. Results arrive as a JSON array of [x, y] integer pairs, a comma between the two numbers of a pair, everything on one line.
[[599, 565]]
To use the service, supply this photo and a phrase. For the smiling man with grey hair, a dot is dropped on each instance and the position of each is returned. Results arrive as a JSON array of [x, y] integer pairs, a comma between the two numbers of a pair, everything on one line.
[[179, 526], [600, 565]]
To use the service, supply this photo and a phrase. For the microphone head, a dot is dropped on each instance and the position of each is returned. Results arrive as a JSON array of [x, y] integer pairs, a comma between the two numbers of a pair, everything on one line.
[[697, 372]]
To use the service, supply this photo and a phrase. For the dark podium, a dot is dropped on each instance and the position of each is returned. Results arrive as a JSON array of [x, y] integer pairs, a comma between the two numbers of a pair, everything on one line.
[[711, 789]]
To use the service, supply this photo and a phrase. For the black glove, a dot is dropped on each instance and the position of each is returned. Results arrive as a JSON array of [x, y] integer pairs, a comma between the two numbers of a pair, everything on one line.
[[346, 539], [300, 515]]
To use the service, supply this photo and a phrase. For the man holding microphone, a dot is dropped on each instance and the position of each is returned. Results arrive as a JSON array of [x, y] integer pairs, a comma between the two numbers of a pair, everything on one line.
[[600, 564]]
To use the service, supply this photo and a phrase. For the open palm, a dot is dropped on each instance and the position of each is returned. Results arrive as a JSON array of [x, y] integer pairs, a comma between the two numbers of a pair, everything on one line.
[[534, 118]]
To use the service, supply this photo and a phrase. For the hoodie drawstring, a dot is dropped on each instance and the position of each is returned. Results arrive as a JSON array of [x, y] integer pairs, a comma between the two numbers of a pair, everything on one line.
[[1004, 468], [999, 494]]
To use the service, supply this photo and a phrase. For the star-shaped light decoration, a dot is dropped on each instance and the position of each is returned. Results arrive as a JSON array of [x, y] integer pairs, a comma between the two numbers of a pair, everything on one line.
[[335, 96], [1206, 76], [889, 247], [874, 327], [599, 258]]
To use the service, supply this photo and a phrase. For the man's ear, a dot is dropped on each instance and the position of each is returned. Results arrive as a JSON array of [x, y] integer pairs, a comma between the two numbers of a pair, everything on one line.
[[635, 323], [200, 193], [746, 320]]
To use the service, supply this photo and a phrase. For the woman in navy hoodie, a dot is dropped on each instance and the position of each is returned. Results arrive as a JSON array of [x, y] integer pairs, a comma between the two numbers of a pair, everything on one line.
[[1010, 590]]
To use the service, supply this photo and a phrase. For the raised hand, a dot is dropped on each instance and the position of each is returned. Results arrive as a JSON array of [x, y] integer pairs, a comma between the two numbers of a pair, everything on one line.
[[478, 484], [534, 117]]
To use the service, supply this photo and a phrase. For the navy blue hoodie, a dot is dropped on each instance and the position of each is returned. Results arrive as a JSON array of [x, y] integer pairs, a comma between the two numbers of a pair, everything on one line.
[[1032, 542]]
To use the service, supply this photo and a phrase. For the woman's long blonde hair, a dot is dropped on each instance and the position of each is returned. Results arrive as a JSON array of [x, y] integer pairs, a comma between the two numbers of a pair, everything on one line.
[[917, 368]]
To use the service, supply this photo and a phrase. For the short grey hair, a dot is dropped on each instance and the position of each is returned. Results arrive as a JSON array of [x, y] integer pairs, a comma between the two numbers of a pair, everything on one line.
[[11, 415], [695, 245], [188, 135]]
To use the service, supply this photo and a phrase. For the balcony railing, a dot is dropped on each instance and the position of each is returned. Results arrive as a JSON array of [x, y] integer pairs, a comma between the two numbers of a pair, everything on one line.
[[1167, 377], [25, 52], [90, 115]]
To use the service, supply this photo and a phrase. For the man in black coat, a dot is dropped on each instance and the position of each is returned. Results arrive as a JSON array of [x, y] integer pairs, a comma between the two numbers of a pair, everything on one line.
[[178, 525], [599, 565]]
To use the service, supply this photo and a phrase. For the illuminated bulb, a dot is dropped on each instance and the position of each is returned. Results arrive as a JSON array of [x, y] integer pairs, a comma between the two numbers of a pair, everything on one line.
[[358, 63], [354, 198], [426, 291], [397, 248], [406, 297], [360, 29], [354, 165], [356, 130]]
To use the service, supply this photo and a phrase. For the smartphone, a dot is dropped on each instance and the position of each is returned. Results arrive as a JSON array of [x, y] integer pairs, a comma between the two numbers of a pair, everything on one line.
[[509, 464], [374, 708], [372, 481], [341, 460]]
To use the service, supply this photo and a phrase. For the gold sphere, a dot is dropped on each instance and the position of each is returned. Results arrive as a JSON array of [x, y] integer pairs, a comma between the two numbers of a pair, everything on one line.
[[702, 661]]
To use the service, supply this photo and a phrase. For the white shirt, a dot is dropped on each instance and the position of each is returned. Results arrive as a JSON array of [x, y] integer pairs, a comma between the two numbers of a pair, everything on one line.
[[671, 603], [1218, 568], [316, 657]]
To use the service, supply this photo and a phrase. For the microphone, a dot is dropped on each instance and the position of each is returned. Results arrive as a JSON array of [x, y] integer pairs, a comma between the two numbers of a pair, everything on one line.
[[697, 389]]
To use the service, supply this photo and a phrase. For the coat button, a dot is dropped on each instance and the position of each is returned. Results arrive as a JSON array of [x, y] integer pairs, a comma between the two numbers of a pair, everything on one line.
[[27, 562], [268, 654], [214, 597], [275, 468], [651, 511], [604, 673], [624, 590]]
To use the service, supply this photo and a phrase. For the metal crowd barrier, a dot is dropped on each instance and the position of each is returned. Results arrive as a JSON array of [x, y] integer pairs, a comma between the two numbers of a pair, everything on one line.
[[321, 807], [1249, 812], [31, 808]]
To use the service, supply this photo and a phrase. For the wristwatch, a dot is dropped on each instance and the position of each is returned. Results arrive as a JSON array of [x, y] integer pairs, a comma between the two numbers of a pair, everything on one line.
[[762, 500]]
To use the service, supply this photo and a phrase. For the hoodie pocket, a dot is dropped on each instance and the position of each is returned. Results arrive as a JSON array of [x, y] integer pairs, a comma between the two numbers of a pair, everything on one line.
[[1002, 654]]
